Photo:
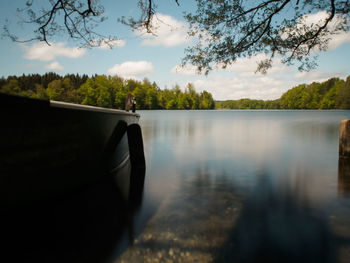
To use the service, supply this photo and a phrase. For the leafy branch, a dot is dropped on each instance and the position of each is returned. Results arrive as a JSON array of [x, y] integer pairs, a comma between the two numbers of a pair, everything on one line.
[[227, 30]]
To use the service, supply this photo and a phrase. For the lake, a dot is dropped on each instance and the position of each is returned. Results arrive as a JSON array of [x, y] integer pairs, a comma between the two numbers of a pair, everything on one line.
[[243, 186], [220, 186]]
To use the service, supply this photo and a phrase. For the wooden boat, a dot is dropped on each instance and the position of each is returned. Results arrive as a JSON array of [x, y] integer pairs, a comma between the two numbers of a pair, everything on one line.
[[49, 149]]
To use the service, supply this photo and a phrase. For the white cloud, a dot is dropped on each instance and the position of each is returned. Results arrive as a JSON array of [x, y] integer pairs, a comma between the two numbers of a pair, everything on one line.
[[168, 32], [319, 19], [265, 87], [44, 52], [187, 70], [54, 66], [224, 88], [239, 79], [132, 69], [246, 67], [317, 76], [338, 40], [243, 67]]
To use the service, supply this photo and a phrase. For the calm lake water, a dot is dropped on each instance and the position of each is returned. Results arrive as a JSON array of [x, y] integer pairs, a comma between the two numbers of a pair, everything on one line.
[[220, 186], [243, 186]]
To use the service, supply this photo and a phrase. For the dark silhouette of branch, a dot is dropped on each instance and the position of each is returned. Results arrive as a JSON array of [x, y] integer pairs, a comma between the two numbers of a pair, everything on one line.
[[314, 36], [77, 18], [228, 30]]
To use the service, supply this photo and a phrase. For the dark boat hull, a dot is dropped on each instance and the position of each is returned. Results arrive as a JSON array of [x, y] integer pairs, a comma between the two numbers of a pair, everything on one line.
[[49, 149]]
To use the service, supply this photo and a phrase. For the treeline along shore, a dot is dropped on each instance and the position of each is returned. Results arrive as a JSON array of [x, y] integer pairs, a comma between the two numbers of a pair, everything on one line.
[[110, 92], [331, 94], [105, 91]]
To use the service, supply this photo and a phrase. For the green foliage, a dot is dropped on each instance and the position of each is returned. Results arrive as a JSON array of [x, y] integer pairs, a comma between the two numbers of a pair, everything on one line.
[[246, 104], [207, 101], [110, 92], [12, 88], [343, 97], [89, 93], [55, 90], [40, 93], [151, 100], [229, 30], [226, 30], [331, 94], [103, 91]]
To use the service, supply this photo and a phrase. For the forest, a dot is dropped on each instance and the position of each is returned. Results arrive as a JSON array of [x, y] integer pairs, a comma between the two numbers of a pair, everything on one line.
[[105, 91], [110, 92], [331, 94]]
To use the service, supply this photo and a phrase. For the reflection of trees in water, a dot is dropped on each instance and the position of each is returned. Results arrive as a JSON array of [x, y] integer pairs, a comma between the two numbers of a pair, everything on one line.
[[179, 125], [313, 129]]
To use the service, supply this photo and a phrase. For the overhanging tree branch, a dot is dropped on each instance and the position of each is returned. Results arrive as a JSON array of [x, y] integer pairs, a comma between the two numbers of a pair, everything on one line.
[[77, 18], [228, 30], [225, 29], [315, 35]]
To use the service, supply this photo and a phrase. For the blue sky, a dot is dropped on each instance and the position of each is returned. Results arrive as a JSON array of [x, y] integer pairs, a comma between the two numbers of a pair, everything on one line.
[[139, 55]]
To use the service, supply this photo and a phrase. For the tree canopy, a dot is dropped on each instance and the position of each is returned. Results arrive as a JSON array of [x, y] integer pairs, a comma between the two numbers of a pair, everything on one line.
[[225, 29], [331, 94], [231, 29], [106, 91]]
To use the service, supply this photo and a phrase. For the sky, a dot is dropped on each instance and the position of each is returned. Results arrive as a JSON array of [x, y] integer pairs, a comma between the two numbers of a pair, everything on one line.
[[157, 57]]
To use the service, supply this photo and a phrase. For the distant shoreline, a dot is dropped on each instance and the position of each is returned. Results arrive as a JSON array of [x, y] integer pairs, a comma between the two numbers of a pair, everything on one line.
[[110, 92]]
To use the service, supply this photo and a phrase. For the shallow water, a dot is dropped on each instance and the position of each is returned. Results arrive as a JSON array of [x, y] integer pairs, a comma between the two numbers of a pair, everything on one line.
[[243, 186], [220, 186]]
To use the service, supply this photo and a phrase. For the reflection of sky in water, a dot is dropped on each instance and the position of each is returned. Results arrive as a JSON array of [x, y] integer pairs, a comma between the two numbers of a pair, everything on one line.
[[220, 186], [287, 145], [202, 165]]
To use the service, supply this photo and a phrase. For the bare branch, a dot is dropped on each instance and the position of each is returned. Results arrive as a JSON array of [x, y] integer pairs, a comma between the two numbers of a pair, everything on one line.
[[77, 19], [42, 28]]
